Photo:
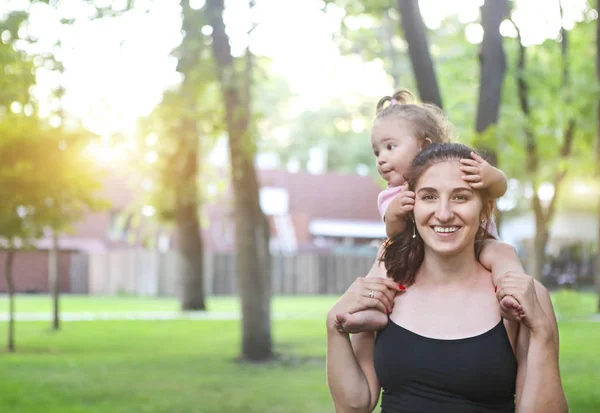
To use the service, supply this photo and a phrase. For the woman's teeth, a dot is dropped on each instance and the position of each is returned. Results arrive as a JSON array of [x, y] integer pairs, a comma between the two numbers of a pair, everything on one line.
[[445, 229]]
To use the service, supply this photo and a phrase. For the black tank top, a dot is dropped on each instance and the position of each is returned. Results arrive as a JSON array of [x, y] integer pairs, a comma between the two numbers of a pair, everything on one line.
[[427, 375]]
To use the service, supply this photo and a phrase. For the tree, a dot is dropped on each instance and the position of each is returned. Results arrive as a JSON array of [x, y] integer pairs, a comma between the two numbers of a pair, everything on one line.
[[175, 180], [550, 128], [597, 270], [251, 226], [69, 184], [17, 228], [492, 67], [418, 50], [492, 64]]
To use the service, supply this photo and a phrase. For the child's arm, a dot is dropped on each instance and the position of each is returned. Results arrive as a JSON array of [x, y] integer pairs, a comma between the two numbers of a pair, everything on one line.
[[394, 224], [482, 175], [499, 258], [395, 214]]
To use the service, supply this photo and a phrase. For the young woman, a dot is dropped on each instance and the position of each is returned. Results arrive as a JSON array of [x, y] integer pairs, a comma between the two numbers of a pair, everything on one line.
[[446, 347]]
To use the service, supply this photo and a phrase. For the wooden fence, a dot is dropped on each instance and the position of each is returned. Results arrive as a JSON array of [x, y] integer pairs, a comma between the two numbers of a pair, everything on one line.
[[150, 273]]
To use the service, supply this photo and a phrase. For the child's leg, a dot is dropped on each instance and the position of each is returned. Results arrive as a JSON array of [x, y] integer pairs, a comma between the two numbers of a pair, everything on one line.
[[366, 320], [500, 258]]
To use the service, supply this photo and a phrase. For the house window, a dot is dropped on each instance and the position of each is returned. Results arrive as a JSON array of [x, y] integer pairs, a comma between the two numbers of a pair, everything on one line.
[[274, 201], [119, 225]]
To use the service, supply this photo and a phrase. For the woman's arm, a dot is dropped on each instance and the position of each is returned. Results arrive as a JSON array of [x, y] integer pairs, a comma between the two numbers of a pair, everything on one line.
[[348, 384], [351, 373], [539, 387]]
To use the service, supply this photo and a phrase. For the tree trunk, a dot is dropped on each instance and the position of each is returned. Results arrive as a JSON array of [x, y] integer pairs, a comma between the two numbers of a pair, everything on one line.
[[539, 250], [187, 221], [597, 271], [8, 266], [418, 51], [251, 227], [53, 280], [492, 64], [492, 68]]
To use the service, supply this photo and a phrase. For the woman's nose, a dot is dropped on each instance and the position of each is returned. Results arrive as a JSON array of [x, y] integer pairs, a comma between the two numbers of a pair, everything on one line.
[[444, 212]]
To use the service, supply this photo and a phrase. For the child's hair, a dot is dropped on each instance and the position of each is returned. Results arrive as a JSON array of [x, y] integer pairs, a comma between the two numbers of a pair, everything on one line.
[[426, 120], [403, 254]]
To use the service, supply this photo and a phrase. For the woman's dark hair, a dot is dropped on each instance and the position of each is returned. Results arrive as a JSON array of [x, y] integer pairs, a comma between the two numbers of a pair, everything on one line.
[[403, 254]]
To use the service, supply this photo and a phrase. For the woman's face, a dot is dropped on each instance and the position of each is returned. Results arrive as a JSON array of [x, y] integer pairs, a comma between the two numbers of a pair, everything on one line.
[[447, 211]]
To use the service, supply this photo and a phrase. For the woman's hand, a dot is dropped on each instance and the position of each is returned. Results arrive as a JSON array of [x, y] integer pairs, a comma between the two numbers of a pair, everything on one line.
[[363, 294], [522, 288]]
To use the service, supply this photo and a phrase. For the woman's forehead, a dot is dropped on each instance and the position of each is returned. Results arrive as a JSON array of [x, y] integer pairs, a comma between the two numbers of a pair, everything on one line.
[[442, 175]]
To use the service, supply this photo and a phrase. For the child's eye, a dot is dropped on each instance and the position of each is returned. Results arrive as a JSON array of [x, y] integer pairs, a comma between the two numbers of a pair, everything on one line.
[[391, 146]]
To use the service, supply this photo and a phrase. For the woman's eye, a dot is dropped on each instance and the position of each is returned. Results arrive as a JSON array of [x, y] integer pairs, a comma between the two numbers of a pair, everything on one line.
[[427, 197], [461, 198]]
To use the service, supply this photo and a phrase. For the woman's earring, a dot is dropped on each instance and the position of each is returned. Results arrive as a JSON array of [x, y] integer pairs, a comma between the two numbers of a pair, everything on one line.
[[414, 230]]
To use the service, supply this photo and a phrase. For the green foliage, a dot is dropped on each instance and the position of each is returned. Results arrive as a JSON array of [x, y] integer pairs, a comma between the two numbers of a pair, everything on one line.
[[330, 129], [46, 178], [552, 105], [17, 67]]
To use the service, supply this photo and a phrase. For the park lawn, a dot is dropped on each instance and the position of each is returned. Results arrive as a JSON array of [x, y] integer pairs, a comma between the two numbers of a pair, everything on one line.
[[308, 306], [178, 366], [567, 304], [187, 366]]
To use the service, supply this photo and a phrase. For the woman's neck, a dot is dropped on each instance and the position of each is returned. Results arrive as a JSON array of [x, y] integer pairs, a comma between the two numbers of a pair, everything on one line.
[[444, 270]]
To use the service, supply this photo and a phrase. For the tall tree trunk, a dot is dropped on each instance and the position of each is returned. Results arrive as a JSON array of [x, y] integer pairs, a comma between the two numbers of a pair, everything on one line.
[[492, 64], [187, 168], [10, 285], [187, 219], [597, 271], [251, 227], [418, 50], [492, 68], [53, 280]]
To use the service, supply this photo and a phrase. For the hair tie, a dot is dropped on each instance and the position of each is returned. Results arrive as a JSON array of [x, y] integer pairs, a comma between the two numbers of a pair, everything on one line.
[[393, 102]]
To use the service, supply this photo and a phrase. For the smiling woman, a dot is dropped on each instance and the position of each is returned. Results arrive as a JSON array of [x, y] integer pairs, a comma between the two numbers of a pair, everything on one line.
[[449, 214], [446, 347]]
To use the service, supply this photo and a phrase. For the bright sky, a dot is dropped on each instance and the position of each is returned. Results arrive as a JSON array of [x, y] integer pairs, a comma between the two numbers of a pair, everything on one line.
[[117, 69]]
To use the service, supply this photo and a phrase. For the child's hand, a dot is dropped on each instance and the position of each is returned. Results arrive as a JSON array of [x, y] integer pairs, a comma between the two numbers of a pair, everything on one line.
[[402, 203], [480, 174]]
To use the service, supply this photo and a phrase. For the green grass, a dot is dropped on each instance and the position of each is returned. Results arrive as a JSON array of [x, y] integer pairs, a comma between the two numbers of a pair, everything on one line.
[[315, 306], [186, 366], [176, 366], [567, 303]]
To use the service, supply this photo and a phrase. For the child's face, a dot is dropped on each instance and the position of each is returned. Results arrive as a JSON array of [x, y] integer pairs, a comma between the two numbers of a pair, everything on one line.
[[394, 146]]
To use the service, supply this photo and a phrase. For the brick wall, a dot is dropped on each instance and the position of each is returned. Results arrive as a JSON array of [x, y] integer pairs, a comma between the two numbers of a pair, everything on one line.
[[30, 271]]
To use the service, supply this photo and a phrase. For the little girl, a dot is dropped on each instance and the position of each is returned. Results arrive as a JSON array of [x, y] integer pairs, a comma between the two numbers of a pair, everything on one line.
[[401, 129]]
